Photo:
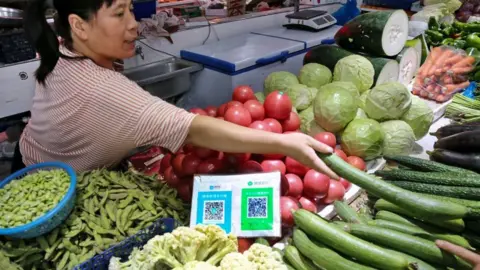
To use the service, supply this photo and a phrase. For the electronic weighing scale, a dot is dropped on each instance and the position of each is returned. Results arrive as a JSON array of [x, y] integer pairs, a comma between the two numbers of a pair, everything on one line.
[[310, 20]]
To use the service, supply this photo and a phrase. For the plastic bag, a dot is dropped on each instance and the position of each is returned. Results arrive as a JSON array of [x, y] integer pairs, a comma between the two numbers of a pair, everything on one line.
[[444, 73]]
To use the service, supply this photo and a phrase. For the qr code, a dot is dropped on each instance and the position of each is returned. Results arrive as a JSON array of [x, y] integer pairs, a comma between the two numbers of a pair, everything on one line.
[[214, 211], [257, 207]]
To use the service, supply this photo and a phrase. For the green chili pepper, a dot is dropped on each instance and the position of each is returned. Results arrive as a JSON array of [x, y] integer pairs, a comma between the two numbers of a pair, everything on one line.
[[473, 40], [459, 44], [448, 41], [434, 35], [448, 31], [433, 24]]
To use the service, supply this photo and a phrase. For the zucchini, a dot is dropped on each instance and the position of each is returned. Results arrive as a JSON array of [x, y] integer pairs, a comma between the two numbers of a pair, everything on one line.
[[448, 179], [322, 256], [468, 141], [345, 243], [456, 225], [453, 129], [415, 246], [468, 193], [416, 203], [419, 264], [469, 161], [297, 260], [347, 213], [425, 165]]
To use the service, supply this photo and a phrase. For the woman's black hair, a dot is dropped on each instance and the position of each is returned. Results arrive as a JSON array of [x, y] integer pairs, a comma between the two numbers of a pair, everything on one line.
[[44, 38]]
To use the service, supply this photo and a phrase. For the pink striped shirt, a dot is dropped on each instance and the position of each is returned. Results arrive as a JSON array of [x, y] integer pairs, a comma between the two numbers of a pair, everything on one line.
[[90, 117]]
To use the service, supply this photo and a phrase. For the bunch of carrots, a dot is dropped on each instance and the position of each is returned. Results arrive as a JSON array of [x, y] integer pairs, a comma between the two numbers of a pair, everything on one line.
[[444, 73]]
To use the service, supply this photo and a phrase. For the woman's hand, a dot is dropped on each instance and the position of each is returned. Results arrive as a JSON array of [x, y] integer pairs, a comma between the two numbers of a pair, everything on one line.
[[302, 147], [461, 252]]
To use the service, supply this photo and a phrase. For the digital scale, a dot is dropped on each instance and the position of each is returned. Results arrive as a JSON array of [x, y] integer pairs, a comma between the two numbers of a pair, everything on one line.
[[310, 20]]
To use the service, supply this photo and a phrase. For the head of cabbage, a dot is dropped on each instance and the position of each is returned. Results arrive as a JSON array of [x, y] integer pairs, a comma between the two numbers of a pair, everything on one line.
[[307, 122], [388, 101], [342, 85], [363, 99], [399, 138], [278, 81], [334, 108], [419, 117], [300, 95], [363, 138], [361, 114], [356, 69], [314, 75]]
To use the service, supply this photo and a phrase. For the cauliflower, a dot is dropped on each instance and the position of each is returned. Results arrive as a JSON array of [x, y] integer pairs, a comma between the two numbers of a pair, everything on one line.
[[265, 257], [189, 245], [217, 245], [161, 249], [236, 261], [196, 265]]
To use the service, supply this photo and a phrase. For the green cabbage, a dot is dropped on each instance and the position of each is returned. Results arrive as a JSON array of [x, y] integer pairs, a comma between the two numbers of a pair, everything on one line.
[[399, 138], [361, 114], [363, 138], [308, 124], [278, 80], [300, 95], [334, 108], [260, 96], [363, 99], [356, 69], [314, 75], [419, 117], [342, 85], [388, 101], [314, 91]]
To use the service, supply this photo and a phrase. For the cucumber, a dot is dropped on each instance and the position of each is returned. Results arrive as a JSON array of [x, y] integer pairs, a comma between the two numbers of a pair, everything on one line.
[[468, 203], [297, 260], [345, 243], [425, 165], [473, 239], [468, 193], [386, 70], [327, 55], [453, 129], [456, 225], [409, 62], [419, 264], [416, 203], [473, 226], [381, 33], [468, 141], [448, 179], [415, 246], [347, 213], [470, 161]]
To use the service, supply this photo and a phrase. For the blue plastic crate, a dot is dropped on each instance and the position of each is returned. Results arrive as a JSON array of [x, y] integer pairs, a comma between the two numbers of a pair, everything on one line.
[[395, 4], [124, 248]]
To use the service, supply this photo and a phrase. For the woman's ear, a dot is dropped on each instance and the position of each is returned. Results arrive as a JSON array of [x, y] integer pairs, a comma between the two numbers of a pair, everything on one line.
[[78, 26]]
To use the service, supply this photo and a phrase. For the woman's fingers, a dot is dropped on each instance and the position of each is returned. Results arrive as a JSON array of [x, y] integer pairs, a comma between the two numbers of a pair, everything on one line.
[[320, 166], [320, 147], [461, 252]]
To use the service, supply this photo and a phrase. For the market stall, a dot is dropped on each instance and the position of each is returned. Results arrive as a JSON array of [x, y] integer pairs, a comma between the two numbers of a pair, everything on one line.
[[394, 108]]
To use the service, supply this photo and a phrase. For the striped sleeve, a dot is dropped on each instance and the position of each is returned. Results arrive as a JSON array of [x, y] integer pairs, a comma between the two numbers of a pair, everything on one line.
[[149, 119]]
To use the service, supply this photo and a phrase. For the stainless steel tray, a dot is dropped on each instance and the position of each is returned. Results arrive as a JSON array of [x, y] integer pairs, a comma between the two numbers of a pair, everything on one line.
[[10, 16]]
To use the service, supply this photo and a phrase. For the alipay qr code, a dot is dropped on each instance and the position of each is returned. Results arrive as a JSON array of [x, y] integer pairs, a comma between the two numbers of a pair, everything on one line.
[[214, 211], [257, 207]]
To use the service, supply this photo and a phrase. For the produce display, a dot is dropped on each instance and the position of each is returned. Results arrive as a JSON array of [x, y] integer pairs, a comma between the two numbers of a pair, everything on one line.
[[110, 206], [26, 199], [464, 109]]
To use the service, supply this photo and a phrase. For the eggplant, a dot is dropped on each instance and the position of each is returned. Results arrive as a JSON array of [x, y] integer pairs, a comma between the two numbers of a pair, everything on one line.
[[455, 129], [467, 161], [464, 142]]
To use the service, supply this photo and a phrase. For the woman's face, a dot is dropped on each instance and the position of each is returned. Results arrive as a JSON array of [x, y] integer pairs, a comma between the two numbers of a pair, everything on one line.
[[111, 32]]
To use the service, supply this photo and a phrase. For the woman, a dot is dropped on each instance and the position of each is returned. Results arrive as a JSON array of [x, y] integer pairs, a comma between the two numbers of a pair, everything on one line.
[[89, 116]]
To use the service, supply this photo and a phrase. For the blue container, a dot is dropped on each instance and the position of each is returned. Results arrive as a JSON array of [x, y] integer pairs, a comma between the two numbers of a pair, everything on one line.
[[144, 9], [52, 218], [395, 4], [123, 249]]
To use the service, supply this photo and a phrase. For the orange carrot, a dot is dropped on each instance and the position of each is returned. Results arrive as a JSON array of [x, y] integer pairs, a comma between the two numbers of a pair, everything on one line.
[[440, 98], [416, 91], [438, 89], [467, 61], [429, 61], [440, 60], [430, 88], [460, 70], [453, 88], [446, 79], [423, 93], [454, 59]]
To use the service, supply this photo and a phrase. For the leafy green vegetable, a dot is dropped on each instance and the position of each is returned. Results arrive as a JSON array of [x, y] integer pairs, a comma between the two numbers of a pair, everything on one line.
[[278, 80], [315, 75], [300, 95], [419, 117], [363, 138], [334, 108], [388, 101], [308, 125], [349, 86], [362, 100], [361, 114], [260, 96], [356, 69], [399, 138]]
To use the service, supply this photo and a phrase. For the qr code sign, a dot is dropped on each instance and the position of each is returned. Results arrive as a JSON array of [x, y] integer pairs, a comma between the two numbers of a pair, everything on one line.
[[257, 207], [214, 211]]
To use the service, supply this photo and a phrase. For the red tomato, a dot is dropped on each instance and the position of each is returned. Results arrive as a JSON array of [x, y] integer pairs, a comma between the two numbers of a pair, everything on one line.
[[274, 165], [210, 166], [357, 162], [188, 148], [190, 164], [171, 178], [221, 110], [233, 103], [273, 156], [292, 123], [295, 185], [284, 185], [243, 93], [211, 111], [260, 125], [287, 205], [274, 125], [177, 164], [278, 105], [327, 138], [244, 244], [237, 158], [295, 167], [166, 162], [256, 109], [345, 183], [341, 154], [336, 191], [185, 192], [204, 153], [250, 166], [315, 184], [308, 204], [198, 111], [239, 116]]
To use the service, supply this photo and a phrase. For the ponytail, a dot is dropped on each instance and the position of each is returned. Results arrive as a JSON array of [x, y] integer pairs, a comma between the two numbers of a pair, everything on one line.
[[42, 36]]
